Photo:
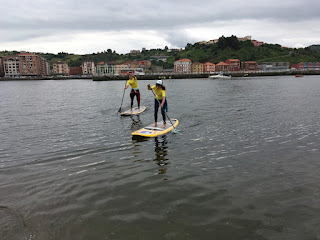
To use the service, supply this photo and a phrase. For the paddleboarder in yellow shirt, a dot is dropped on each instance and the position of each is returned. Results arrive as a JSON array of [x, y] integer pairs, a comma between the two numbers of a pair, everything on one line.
[[160, 91], [133, 82]]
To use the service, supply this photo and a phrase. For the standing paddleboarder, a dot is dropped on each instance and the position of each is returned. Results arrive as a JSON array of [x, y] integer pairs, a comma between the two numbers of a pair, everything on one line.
[[133, 82], [160, 91]]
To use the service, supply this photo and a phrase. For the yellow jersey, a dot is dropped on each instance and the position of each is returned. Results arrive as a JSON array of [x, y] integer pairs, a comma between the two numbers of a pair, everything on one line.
[[133, 82], [160, 93]]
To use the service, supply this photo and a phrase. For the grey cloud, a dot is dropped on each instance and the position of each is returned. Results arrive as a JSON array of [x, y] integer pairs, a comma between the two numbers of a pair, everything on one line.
[[143, 15], [43, 18]]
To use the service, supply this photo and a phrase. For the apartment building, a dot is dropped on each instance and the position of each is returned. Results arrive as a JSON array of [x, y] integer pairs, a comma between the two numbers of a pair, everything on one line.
[[250, 65], [88, 67], [11, 66], [182, 66], [234, 64], [75, 71], [33, 65], [1, 67], [209, 67], [60, 68], [197, 67], [222, 66], [44, 67]]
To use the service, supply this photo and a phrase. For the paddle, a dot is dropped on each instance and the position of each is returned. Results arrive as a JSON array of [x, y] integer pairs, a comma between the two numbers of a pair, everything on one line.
[[122, 96], [175, 130]]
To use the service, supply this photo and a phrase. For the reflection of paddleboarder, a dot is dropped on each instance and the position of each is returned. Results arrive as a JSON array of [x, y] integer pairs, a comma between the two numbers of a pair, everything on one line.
[[133, 82], [160, 91]]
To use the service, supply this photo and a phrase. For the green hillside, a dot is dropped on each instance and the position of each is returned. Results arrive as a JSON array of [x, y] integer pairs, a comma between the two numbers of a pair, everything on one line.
[[226, 48]]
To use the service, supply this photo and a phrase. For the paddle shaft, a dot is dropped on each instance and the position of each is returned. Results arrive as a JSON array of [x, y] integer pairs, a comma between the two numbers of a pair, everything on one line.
[[163, 110], [123, 95]]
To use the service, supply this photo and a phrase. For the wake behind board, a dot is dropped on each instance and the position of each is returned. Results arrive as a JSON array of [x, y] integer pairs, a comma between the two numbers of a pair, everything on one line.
[[151, 131], [134, 111]]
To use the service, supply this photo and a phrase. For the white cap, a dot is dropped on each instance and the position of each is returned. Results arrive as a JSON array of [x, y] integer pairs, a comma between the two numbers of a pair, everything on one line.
[[159, 82]]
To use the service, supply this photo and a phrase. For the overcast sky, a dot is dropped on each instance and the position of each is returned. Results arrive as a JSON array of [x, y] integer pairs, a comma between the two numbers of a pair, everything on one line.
[[77, 26]]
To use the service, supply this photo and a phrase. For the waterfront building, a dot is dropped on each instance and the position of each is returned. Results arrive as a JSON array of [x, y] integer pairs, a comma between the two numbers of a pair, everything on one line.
[[44, 67], [250, 65], [60, 68], [121, 68], [32, 65], [222, 67], [209, 67], [11, 66], [88, 67], [111, 68], [101, 69], [156, 69], [294, 66], [300, 66], [182, 66], [234, 64], [1, 67], [25, 64], [197, 67], [75, 71], [274, 66], [104, 68]]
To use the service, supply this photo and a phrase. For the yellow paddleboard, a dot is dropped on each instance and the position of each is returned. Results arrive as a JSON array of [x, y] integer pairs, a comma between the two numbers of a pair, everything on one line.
[[151, 131], [134, 111]]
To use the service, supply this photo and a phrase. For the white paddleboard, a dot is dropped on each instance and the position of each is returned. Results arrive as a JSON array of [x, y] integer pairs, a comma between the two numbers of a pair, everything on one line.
[[134, 111]]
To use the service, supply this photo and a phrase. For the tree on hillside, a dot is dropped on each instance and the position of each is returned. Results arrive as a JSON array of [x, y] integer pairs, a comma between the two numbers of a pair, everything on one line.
[[231, 42]]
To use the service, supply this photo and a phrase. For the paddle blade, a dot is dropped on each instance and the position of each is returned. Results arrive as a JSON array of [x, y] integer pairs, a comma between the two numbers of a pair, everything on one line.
[[174, 130]]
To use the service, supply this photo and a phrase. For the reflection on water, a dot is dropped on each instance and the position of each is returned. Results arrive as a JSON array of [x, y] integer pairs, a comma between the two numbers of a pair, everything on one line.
[[161, 153], [136, 122], [160, 148]]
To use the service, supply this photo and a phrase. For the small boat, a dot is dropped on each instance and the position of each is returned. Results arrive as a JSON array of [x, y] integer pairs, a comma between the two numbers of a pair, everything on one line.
[[220, 76], [299, 75]]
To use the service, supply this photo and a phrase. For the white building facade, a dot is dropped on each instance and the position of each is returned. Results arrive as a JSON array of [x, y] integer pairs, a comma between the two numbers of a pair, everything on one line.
[[183, 66]]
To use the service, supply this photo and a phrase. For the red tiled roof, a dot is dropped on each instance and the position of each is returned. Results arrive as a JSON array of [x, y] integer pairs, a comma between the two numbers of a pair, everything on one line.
[[222, 64], [184, 60]]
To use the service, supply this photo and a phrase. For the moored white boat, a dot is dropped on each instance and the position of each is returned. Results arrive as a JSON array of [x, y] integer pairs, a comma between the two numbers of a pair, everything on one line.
[[220, 76]]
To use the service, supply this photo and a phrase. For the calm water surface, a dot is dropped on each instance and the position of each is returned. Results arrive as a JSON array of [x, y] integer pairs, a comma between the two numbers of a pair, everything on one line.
[[245, 164]]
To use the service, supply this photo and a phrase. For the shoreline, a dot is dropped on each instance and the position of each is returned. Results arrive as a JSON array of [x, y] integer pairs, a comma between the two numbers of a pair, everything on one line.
[[167, 76]]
